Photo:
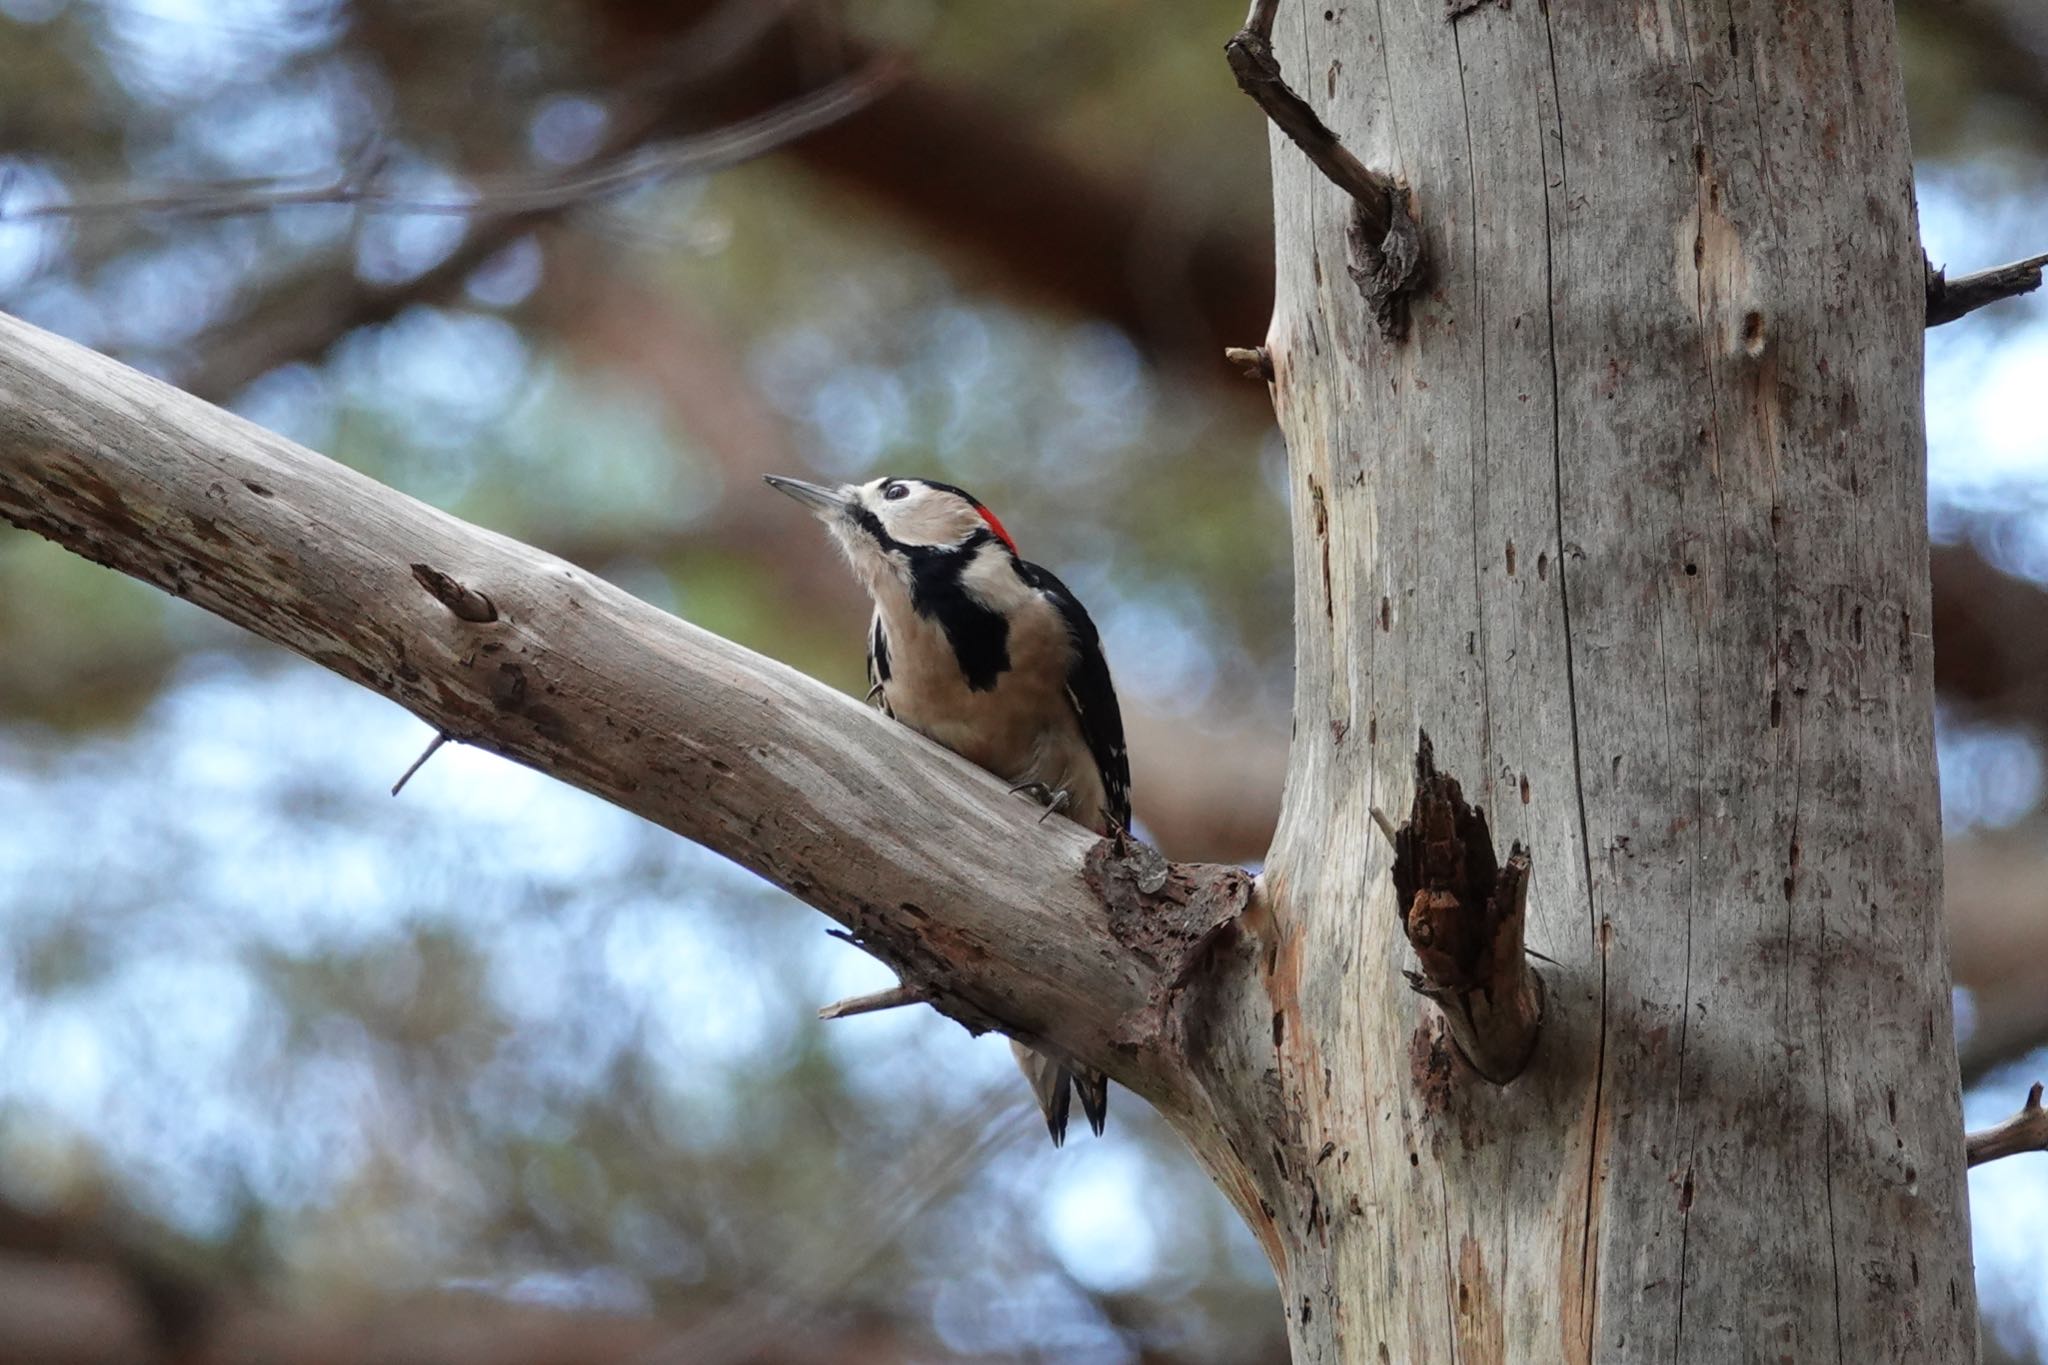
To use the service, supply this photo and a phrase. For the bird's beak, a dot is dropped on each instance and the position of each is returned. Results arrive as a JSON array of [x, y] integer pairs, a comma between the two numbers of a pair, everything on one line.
[[823, 501]]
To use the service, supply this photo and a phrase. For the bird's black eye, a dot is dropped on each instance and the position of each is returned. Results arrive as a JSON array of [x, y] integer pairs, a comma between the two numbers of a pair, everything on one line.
[[895, 491]]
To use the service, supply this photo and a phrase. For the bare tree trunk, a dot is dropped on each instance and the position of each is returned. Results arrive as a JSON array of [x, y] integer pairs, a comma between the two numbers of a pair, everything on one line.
[[1634, 524]]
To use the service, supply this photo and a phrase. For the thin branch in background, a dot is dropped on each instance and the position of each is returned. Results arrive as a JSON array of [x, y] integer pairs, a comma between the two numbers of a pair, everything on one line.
[[1949, 299], [940, 1163], [299, 318], [2026, 1131], [713, 151]]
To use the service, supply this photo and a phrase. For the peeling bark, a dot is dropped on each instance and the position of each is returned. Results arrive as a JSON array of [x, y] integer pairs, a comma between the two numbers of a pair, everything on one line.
[[1462, 911]]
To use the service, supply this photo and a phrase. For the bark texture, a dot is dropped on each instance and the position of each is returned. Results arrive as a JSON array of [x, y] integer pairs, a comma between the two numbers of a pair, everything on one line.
[[1634, 525]]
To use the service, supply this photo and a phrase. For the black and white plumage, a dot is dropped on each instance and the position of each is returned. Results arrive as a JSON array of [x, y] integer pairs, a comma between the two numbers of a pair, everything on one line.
[[991, 656]]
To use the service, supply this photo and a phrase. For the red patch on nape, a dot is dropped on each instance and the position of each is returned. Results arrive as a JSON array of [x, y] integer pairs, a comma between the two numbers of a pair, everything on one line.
[[997, 527]]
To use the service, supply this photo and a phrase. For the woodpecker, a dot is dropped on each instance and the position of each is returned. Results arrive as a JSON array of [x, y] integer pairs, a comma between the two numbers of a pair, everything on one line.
[[990, 655]]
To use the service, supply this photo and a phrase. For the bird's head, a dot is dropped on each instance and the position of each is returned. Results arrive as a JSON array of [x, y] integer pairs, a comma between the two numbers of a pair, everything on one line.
[[890, 525]]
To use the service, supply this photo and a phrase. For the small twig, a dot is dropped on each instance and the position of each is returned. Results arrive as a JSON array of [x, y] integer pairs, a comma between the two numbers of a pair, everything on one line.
[[466, 602], [1250, 54], [2026, 1131], [896, 997], [1260, 19], [1949, 299], [1255, 361], [367, 162], [359, 184], [433, 747]]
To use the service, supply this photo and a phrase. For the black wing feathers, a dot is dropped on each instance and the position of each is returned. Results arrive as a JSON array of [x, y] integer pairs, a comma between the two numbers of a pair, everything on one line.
[[1092, 694]]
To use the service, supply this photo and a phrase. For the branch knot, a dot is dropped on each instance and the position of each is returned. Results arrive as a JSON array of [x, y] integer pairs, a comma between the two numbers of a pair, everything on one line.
[[466, 602]]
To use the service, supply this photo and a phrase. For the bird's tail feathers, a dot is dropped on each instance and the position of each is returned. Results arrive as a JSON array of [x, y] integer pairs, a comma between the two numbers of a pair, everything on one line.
[[1054, 1083], [1094, 1090]]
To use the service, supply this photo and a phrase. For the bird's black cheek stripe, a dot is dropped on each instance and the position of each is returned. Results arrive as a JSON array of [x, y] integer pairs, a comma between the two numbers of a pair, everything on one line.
[[872, 524]]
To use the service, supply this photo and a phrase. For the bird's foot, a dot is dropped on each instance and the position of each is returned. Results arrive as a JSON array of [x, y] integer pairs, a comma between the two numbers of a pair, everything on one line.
[[1054, 799]]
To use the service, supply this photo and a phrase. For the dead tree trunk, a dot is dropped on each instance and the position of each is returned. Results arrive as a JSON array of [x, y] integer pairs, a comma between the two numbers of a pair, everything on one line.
[[1633, 523]]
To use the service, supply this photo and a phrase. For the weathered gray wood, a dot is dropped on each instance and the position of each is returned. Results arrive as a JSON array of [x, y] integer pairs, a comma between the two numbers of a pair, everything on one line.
[[991, 913], [1634, 525]]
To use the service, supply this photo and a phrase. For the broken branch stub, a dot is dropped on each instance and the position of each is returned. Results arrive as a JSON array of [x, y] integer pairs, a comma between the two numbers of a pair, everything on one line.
[[1388, 269], [1255, 361], [1463, 911], [1949, 299], [2026, 1131], [896, 997], [464, 601]]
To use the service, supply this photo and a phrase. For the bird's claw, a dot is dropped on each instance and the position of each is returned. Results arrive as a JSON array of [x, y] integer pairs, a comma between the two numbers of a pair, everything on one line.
[[1053, 799]]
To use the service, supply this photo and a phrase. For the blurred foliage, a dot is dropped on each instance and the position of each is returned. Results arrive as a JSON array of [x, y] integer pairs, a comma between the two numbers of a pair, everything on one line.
[[494, 1037]]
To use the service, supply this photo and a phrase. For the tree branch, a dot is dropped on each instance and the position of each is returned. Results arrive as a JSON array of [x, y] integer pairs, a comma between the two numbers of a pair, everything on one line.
[[2026, 1131], [1250, 53], [1949, 299], [997, 919], [1383, 237]]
